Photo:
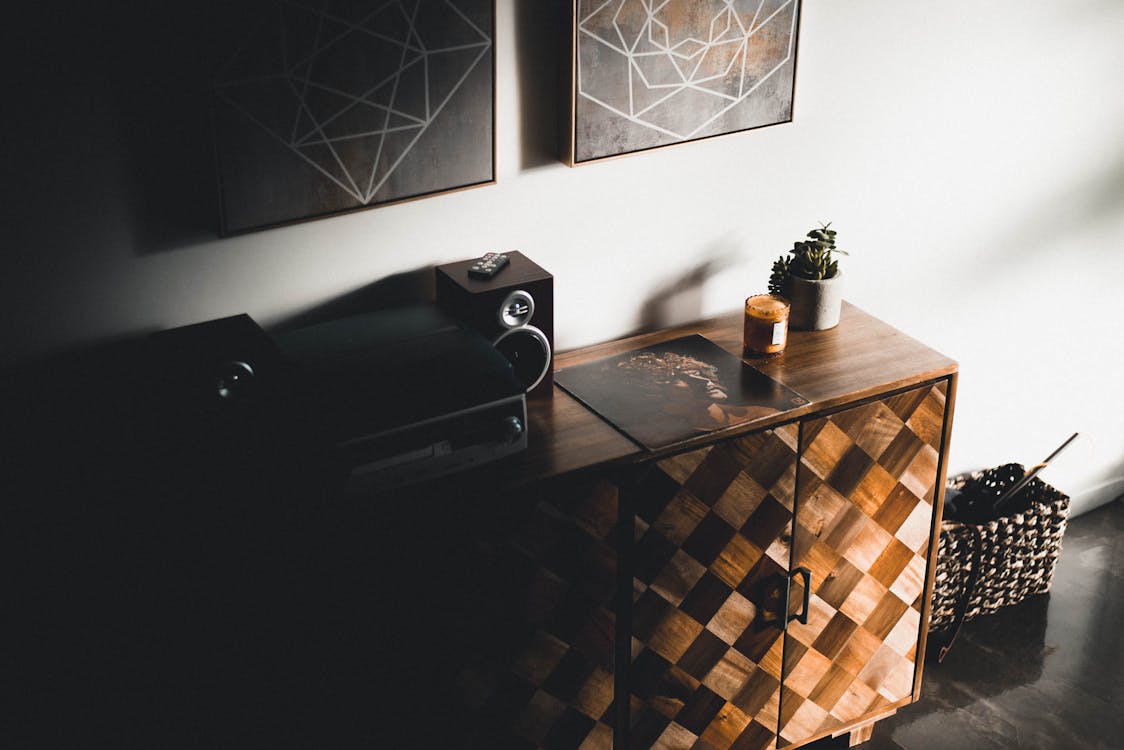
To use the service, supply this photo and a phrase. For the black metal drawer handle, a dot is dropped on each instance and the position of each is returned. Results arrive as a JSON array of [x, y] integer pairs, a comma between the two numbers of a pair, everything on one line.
[[806, 574]]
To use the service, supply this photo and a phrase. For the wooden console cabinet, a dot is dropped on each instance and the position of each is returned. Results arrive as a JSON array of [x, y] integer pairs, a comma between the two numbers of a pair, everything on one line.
[[758, 588], [750, 589]]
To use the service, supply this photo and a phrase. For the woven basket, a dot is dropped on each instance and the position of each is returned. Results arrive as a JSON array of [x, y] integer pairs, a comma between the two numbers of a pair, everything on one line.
[[1017, 553]]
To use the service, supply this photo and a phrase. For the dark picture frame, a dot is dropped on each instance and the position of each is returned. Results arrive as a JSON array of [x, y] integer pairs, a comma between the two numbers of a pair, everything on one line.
[[322, 109], [646, 74]]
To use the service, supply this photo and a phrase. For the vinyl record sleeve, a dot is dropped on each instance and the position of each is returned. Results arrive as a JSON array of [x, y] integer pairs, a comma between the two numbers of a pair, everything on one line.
[[671, 392]]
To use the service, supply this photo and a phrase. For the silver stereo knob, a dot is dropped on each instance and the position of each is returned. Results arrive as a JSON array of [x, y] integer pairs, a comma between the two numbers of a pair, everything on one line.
[[512, 429], [234, 380]]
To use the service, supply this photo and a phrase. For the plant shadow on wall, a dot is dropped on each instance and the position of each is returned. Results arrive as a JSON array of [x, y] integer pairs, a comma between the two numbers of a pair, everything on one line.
[[682, 299]]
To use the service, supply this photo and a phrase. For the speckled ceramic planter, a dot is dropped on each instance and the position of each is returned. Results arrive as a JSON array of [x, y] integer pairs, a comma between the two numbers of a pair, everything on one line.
[[815, 304]]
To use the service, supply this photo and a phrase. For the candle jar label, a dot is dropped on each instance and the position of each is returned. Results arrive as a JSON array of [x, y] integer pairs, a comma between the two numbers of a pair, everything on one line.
[[780, 328]]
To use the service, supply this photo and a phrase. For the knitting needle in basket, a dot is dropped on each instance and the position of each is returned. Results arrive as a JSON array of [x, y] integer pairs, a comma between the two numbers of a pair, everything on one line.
[[1014, 489]]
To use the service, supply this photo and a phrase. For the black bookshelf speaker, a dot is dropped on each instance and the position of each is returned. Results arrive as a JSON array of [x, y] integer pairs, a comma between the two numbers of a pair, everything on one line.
[[218, 366], [226, 405], [514, 309]]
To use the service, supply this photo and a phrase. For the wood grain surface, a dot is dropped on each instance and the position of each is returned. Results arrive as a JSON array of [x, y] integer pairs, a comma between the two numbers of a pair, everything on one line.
[[866, 497], [713, 532], [861, 357], [556, 654], [539, 671]]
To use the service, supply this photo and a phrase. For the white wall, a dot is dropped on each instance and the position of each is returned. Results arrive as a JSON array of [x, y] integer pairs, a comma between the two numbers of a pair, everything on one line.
[[970, 154]]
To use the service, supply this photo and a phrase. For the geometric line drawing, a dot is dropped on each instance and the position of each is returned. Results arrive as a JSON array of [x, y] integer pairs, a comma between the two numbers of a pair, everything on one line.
[[723, 50], [295, 78]]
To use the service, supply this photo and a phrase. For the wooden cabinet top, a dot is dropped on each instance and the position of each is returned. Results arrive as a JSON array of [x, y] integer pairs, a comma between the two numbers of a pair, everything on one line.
[[860, 357]]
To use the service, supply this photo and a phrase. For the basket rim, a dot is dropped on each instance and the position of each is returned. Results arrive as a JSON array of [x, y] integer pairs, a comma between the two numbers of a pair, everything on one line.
[[1037, 507]]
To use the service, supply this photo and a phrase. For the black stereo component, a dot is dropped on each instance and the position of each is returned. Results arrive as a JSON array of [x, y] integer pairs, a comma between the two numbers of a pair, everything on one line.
[[210, 366], [437, 447], [514, 309], [406, 395], [223, 406]]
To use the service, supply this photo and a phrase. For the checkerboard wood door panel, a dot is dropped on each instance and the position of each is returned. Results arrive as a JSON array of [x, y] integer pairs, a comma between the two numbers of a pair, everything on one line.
[[864, 516], [712, 547], [542, 675]]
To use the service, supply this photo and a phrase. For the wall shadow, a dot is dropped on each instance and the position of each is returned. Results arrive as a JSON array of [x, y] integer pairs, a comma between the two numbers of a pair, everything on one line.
[[407, 288], [172, 192], [159, 76], [1098, 200], [115, 121], [398, 290], [680, 299], [116, 105], [541, 52]]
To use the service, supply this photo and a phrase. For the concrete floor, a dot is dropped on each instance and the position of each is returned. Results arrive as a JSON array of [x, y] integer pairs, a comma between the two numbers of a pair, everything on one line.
[[1045, 674]]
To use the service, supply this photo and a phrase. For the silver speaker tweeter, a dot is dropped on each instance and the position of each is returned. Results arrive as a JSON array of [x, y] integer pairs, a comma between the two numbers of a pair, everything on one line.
[[517, 309]]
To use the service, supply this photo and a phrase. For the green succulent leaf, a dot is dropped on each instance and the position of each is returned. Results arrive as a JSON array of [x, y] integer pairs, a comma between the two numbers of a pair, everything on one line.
[[778, 279], [809, 259]]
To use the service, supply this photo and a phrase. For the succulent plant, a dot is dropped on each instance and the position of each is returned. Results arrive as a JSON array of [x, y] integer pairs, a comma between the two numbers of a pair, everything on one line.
[[809, 259]]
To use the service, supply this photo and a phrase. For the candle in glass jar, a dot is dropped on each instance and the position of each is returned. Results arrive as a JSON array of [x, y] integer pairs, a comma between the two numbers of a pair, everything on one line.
[[766, 326]]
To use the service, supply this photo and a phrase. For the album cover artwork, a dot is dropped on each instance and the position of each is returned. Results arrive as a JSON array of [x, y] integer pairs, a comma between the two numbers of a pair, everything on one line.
[[680, 389]]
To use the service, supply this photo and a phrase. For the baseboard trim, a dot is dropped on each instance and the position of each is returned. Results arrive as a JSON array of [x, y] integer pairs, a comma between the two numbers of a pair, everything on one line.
[[1096, 496]]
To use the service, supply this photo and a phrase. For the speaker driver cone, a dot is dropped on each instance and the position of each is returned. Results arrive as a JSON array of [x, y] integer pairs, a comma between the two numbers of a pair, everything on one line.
[[528, 351]]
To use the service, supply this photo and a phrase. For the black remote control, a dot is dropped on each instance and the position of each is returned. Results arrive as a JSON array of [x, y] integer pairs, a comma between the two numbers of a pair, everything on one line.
[[488, 266]]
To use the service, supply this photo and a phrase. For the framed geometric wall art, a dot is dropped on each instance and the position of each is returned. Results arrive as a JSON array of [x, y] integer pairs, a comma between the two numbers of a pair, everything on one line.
[[329, 106], [652, 73]]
